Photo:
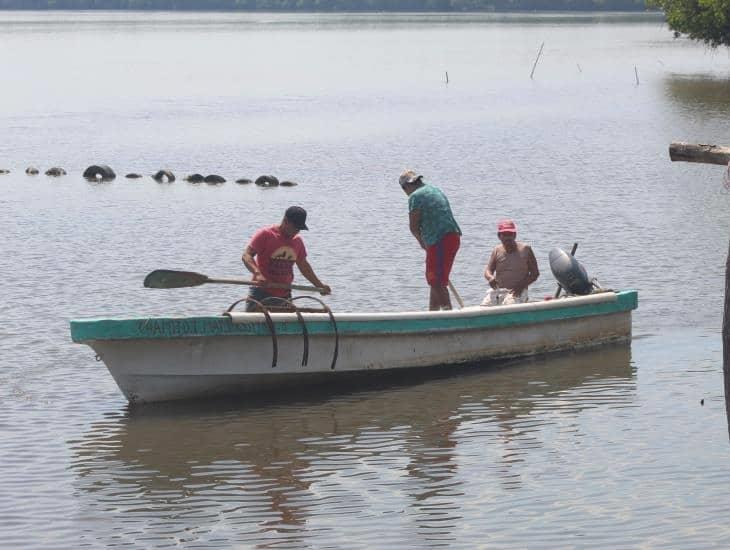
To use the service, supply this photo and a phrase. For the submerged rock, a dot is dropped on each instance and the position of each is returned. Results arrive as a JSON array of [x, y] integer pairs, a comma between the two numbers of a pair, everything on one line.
[[4, 171], [55, 171], [214, 179], [287, 183], [133, 176], [243, 181], [195, 178], [164, 176], [31, 170], [267, 181]]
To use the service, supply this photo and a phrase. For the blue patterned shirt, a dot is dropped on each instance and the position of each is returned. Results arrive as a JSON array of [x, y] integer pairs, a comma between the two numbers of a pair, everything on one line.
[[436, 216]]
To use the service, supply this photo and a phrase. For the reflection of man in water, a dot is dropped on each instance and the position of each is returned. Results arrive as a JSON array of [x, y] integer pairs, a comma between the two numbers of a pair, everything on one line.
[[512, 267], [271, 255]]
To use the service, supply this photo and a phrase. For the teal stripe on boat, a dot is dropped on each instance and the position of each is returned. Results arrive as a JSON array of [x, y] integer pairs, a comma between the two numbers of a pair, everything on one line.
[[198, 327]]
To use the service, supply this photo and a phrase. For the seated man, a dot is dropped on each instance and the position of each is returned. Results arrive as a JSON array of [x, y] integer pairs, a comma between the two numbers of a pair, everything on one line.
[[512, 267]]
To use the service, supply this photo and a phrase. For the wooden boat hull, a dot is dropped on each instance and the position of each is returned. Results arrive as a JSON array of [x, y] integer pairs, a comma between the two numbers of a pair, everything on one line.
[[177, 358]]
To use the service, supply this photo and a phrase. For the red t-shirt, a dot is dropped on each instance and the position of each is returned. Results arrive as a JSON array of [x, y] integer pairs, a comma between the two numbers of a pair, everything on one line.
[[276, 255]]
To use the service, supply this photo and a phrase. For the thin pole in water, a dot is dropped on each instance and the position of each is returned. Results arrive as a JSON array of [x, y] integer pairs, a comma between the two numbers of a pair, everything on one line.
[[447, 77], [726, 340], [636, 72], [536, 60], [579, 69]]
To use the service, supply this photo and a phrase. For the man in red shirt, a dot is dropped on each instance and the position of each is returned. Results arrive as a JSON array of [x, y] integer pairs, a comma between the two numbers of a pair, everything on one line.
[[271, 255]]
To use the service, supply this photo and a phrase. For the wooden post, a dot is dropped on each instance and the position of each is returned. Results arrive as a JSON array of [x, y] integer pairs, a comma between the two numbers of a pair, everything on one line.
[[708, 154], [726, 340], [537, 59]]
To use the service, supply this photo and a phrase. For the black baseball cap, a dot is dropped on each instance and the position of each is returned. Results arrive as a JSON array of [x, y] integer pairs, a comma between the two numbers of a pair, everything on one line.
[[297, 216]]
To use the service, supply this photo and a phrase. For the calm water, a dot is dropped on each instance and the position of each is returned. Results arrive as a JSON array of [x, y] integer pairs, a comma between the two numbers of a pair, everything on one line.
[[611, 447]]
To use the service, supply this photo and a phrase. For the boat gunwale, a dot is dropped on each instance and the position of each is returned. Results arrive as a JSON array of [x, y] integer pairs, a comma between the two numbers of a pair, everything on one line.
[[467, 312], [253, 324]]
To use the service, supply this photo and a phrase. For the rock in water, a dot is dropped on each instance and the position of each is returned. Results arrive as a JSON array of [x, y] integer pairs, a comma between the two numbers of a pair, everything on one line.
[[99, 172], [164, 176], [267, 181], [214, 179]]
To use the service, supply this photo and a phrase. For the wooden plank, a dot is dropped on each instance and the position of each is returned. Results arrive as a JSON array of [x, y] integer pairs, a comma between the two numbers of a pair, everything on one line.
[[700, 152]]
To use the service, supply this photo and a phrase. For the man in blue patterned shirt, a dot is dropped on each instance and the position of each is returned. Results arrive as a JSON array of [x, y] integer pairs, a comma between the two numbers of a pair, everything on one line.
[[434, 227]]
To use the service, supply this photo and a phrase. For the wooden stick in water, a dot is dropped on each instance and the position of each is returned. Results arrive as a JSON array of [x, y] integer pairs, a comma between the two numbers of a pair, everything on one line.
[[536, 60], [636, 72], [726, 339], [700, 152]]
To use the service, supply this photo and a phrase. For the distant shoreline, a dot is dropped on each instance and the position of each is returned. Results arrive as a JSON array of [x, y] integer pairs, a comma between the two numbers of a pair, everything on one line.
[[334, 6], [353, 11]]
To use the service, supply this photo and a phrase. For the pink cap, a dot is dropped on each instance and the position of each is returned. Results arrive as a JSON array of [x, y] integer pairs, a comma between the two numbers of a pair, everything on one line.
[[506, 226]]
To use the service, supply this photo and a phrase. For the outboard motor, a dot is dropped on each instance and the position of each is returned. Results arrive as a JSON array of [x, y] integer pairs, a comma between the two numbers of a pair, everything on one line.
[[568, 271]]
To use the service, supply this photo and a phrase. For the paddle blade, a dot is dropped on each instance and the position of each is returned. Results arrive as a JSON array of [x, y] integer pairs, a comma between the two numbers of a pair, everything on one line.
[[166, 278]]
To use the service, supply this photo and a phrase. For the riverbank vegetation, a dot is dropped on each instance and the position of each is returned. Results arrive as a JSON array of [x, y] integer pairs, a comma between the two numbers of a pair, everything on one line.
[[330, 5], [707, 21]]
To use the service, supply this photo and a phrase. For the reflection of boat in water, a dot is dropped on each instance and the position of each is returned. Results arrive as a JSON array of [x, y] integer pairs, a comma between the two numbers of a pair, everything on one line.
[[291, 464], [175, 358]]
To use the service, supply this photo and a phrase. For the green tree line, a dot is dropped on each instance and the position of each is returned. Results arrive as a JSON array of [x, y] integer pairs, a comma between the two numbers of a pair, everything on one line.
[[327, 5], [704, 20]]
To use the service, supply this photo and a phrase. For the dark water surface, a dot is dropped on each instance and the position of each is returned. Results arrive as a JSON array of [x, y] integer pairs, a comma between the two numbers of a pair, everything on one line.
[[610, 447]]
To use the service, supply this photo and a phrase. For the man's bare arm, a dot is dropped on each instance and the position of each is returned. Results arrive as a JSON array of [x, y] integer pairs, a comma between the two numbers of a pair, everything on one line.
[[250, 263], [489, 274], [414, 222], [308, 272]]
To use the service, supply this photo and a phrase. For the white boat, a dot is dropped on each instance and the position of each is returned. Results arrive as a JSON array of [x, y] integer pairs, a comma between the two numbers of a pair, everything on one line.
[[167, 358]]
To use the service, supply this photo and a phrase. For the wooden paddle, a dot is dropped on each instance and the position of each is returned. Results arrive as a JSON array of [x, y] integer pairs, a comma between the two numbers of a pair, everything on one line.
[[456, 295], [166, 278]]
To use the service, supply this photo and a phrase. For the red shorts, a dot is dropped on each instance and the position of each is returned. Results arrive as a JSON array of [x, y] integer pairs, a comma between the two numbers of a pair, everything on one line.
[[440, 258]]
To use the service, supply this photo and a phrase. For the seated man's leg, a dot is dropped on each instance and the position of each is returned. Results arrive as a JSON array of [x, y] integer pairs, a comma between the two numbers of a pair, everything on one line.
[[512, 299], [497, 297], [491, 298]]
